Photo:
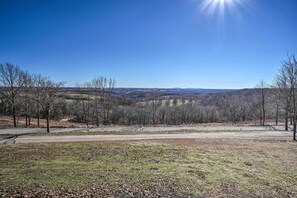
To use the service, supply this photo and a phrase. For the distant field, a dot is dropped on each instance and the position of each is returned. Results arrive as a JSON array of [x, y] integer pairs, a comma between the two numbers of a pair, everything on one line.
[[159, 168], [7, 122]]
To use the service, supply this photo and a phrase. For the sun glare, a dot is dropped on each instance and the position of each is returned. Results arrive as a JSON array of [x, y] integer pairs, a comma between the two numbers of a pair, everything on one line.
[[210, 7]]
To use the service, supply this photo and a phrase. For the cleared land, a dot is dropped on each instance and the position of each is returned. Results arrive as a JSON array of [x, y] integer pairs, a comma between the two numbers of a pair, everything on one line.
[[140, 129], [92, 138], [247, 162], [118, 133], [151, 168]]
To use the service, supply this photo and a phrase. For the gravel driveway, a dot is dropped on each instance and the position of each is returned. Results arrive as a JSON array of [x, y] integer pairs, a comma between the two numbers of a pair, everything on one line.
[[20, 131], [88, 138]]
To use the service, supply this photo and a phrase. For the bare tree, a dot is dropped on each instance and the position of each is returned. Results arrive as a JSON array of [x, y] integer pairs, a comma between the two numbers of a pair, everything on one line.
[[84, 105], [286, 82], [234, 109], [96, 85], [12, 81], [3, 105], [48, 100], [38, 82], [262, 94], [276, 105], [107, 90], [283, 92], [102, 88], [27, 97], [154, 104]]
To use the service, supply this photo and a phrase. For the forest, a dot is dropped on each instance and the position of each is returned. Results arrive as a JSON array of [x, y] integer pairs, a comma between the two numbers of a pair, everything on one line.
[[98, 102]]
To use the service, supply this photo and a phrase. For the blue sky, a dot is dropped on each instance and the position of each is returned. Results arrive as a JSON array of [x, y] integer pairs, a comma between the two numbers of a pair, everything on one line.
[[150, 43]]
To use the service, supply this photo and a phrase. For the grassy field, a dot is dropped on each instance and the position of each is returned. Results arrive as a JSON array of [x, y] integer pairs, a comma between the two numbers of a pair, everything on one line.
[[161, 168]]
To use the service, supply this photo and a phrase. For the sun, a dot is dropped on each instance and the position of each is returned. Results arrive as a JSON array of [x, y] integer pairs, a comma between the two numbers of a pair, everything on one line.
[[222, 1], [211, 7]]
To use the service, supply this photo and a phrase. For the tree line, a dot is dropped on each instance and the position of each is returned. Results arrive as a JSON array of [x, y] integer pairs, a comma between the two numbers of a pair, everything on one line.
[[34, 96], [23, 94]]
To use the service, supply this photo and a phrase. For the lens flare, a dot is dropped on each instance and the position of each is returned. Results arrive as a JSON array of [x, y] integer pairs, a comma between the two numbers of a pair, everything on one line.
[[224, 13], [211, 7]]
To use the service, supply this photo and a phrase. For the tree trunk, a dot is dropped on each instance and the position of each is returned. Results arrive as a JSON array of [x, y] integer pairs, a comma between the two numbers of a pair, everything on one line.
[[294, 115], [26, 119], [29, 115], [38, 115], [97, 121], [3, 107], [294, 127], [47, 122], [276, 117], [97, 112], [286, 121], [294, 132], [14, 116], [263, 106]]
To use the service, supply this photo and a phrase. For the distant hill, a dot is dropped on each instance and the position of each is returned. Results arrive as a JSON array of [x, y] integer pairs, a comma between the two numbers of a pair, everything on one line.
[[141, 92]]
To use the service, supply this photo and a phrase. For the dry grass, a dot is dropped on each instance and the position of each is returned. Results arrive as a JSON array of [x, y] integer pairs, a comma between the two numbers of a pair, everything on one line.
[[7, 122], [169, 168]]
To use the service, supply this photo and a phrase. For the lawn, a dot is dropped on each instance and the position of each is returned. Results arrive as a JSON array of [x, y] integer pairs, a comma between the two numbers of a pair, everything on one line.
[[159, 168]]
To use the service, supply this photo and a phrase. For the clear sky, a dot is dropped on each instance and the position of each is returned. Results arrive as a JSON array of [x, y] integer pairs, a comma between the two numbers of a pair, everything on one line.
[[150, 43]]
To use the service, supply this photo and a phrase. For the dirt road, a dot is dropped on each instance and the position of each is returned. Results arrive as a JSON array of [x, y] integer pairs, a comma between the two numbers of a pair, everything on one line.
[[89, 138], [143, 129]]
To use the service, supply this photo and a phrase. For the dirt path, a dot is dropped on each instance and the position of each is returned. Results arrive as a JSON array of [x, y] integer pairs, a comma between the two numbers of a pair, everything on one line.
[[89, 138], [144, 129]]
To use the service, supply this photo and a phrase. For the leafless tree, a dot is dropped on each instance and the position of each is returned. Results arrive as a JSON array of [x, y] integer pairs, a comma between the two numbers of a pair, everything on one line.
[[154, 94], [102, 88], [48, 100], [261, 95], [38, 82], [3, 104], [234, 109], [85, 105], [276, 100], [286, 82], [12, 81], [107, 90], [283, 92], [27, 96], [96, 85]]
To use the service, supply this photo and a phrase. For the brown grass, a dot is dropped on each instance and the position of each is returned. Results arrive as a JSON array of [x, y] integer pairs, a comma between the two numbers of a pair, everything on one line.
[[155, 168], [7, 122]]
